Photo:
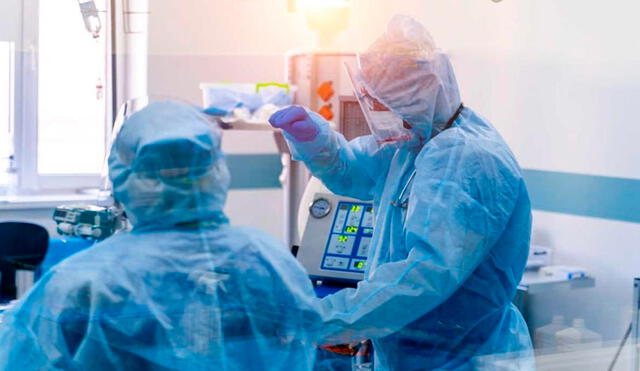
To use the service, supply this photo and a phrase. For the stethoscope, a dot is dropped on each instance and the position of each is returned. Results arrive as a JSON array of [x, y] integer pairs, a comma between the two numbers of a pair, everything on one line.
[[402, 201]]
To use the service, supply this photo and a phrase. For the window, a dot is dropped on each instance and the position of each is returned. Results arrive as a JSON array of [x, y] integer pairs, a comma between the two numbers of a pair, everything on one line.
[[57, 121], [71, 96]]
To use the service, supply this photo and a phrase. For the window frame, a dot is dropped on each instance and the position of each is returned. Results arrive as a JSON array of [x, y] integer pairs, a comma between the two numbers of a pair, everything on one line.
[[25, 135]]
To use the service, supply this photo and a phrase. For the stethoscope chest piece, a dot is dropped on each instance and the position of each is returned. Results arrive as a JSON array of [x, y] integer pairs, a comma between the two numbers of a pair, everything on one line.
[[402, 201], [401, 205]]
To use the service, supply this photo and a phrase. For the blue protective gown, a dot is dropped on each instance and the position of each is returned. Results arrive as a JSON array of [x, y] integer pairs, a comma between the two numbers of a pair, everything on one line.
[[183, 290], [442, 273], [220, 298]]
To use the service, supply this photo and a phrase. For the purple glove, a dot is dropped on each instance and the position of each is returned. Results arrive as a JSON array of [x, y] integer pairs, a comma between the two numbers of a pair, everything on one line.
[[296, 121]]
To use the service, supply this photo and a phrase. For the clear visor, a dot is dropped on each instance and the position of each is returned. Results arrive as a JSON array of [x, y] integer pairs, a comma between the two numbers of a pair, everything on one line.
[[385, 125], [126, 110]]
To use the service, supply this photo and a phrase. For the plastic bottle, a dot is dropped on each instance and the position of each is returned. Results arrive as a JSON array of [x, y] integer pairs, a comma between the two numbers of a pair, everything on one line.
[[577, 337], [544, 337]]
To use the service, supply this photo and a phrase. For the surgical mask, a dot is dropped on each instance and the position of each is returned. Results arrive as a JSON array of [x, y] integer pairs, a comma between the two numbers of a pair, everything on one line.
[[385, 125]]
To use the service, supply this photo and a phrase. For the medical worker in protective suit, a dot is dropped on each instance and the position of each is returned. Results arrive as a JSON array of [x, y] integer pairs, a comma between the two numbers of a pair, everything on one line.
[[452, 213], [183, 290]]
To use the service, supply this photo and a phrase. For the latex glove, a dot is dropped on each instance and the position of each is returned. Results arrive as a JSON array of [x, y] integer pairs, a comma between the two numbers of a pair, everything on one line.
[[295, 120], [344, 349]]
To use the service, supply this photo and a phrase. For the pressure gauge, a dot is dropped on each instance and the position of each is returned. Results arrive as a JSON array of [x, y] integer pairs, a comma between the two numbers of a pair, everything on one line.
[[320, 208]]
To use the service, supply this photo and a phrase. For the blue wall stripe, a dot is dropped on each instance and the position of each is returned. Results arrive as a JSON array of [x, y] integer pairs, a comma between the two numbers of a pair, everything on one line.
[[254, 171], [566, 193], [585, 195]]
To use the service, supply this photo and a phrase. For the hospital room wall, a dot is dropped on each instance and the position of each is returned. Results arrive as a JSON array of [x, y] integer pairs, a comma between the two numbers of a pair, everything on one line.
[[10, 27], [559, 80], [556, 78]]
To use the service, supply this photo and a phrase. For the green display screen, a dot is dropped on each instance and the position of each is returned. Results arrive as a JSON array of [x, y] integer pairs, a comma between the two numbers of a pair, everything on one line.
[[352, 229]]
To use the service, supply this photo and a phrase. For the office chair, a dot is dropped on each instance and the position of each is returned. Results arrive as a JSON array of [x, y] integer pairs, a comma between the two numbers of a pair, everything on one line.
[[22, 246]]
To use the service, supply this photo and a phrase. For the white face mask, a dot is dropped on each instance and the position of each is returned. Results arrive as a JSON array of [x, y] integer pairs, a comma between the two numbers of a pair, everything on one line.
[[385, 125]]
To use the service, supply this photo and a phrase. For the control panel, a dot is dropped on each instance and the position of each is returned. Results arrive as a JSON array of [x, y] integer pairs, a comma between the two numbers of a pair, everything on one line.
[[336, 240]]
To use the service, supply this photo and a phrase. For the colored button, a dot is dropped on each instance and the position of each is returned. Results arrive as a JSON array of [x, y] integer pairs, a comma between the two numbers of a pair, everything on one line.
[[341, 244], [333, 262]]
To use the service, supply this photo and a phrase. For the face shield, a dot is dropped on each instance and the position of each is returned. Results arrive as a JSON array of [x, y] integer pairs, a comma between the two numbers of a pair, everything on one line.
[[106, 217], [385, 125], [166, 160], [127, 109]]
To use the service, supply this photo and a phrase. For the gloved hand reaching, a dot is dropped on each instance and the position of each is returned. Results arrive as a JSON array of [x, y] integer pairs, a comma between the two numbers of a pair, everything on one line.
[[297, 122]]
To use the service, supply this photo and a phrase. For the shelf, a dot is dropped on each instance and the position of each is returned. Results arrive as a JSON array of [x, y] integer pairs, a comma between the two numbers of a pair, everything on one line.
[[533, 283], [248, 126]]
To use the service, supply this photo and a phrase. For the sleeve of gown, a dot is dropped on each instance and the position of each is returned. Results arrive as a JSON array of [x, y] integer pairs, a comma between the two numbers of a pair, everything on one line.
[[288, 284], [347, 168], [459, 205]]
